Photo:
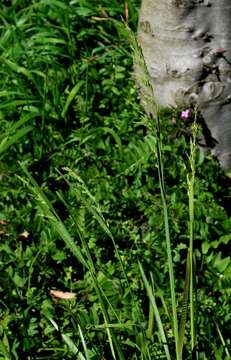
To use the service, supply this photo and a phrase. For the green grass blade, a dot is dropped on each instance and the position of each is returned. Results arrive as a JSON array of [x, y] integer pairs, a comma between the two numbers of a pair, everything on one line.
[[56, 4], [83, 343], [6, 93], [101, 296], [49, 212], [184, 306], [153, 124], [21, 122], [71, 345], [150, 322], [223, 341], [11, 140], [16, 68], [14, 103], [191, 184], [71, 96], [156, 312]]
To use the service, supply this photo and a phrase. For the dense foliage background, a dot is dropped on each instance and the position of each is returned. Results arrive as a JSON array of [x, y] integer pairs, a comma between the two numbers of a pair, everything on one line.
[[69, 111]]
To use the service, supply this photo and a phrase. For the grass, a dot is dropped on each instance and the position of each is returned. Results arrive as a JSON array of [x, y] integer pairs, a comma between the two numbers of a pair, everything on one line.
[[93, 193]]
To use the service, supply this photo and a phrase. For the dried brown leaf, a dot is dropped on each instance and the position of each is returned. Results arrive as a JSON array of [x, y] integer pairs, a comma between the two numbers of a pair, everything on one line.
[[4, 222], [62, 295], [24, 235]]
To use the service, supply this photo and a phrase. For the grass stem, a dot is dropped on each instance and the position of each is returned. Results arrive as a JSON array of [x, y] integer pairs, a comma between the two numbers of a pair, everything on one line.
[[191, 185], [153, 123]]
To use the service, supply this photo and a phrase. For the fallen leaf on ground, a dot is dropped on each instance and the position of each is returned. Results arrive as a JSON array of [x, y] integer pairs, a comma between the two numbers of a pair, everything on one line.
[[24, 235], [62, 295], [4, 222]]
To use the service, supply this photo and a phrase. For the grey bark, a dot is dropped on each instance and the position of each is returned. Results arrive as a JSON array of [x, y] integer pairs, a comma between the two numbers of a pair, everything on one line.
[[187, 49]]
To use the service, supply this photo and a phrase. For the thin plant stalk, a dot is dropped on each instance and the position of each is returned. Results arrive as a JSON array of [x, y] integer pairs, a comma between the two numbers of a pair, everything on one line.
[[191, 185], [86, 352], [153, 123], [111, 336], [184, 306], [223, 341]]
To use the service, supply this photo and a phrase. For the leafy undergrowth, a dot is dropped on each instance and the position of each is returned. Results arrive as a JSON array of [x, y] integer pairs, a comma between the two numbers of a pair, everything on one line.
[[71, 119]]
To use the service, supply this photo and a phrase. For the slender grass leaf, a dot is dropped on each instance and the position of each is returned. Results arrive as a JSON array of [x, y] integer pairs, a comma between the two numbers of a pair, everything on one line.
[[223, 341], [84, 11], [9, 141], [15, 67], [71, 345], [20, 122], [13, 104], [66, 338], [184, 306], [49, 213], [56, 4], [83, 343], [151, 297], [6, 93], [71, 96], [191, 185]]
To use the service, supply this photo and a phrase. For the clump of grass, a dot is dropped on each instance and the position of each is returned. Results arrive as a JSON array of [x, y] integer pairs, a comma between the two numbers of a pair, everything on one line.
[[153, 124], [98, 194]]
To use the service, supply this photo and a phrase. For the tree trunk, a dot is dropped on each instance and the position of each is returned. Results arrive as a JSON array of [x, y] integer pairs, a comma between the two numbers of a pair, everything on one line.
[[187, 49]]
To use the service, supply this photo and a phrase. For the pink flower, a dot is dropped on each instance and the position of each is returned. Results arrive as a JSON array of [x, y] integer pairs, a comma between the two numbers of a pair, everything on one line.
[[186, 114]]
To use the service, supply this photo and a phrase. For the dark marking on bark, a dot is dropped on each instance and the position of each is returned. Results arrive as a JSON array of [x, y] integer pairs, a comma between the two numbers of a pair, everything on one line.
[[209, 141], [146, 26]]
